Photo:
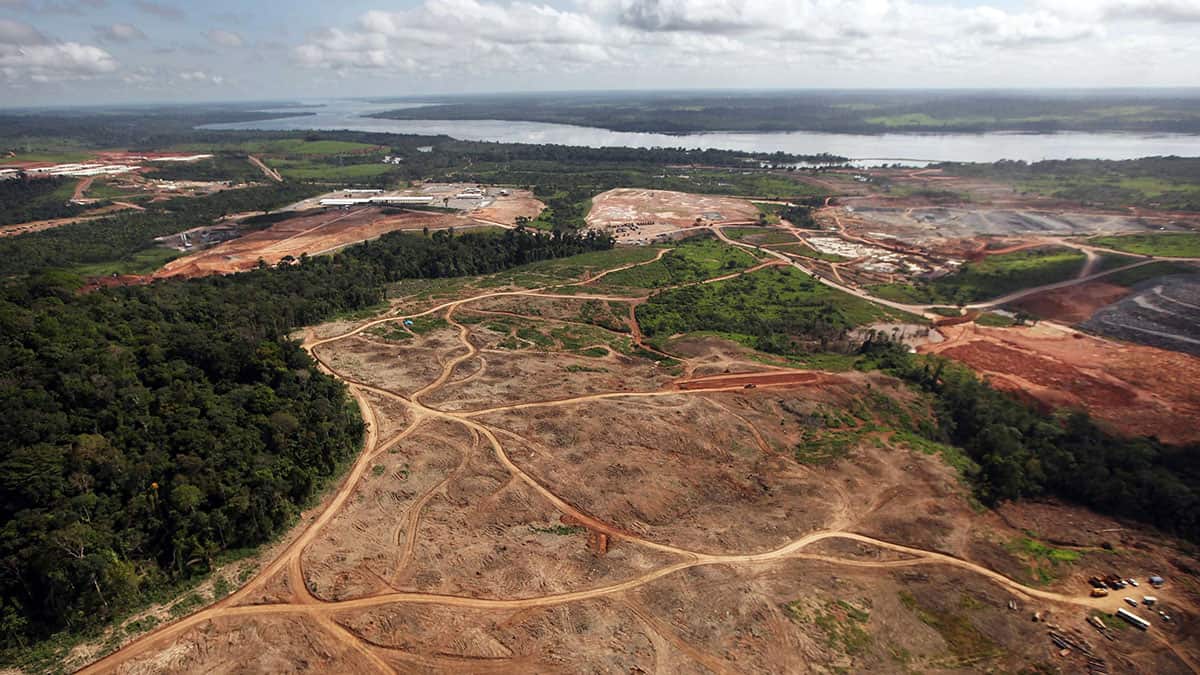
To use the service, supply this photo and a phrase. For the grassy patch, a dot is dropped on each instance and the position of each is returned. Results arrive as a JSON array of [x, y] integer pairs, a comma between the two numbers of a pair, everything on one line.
[[391, 332], [1111, 261], [842, 623], [426, 324], [185, 606], [575, 268], [1046, 563], [995, 320], [535, 336], [768, 213], [1171, 244], [308, 170], [819, 448], [142, 262], [593, 352], [1154, 270], [763, 236], [953, 456], [694, 259], [991, 277], [963, 639], [779, 310]]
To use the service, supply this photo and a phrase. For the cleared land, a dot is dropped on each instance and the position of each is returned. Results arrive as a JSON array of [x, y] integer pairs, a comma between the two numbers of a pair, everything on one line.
[[1164, 312], [1137, 390], [537, 494], [312, 234], [640, 216]]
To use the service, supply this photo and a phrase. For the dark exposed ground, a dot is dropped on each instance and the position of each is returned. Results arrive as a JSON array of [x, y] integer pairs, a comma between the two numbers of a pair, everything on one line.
[[1163, 312]]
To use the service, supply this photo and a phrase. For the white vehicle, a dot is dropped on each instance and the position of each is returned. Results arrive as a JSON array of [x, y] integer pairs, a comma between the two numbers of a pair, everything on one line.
[[1131, 602], [1133, 582]]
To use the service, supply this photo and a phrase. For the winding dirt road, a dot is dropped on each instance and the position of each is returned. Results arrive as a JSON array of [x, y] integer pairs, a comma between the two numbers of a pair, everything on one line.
[[323, 613]]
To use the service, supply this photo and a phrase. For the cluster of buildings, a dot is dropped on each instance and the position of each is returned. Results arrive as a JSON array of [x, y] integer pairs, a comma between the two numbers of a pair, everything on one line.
[[76, 170]]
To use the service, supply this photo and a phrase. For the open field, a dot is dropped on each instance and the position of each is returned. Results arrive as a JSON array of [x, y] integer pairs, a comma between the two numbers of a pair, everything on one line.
[[312, 234], [1167, 244], [639, 216], [992, 277], [1136, 390], [537, 494]]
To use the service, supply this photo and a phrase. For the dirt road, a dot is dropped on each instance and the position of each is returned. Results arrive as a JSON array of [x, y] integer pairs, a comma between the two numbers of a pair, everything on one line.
[[301, 602], [267, 171]]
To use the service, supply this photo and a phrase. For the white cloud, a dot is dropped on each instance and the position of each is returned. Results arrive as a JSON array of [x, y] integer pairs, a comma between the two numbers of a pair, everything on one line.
[[1162, 11], [471, 38], [27, 55], [224, 38], [201, 77], [119, 32]]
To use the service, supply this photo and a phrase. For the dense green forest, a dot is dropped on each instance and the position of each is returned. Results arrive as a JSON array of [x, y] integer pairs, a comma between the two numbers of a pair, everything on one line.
[[1022, 452], [23, 200], [828, 111], [121, 235], [1154, 182], [149, 429]]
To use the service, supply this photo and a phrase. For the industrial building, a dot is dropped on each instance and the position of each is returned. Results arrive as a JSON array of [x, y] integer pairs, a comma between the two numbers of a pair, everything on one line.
[[393, 201]]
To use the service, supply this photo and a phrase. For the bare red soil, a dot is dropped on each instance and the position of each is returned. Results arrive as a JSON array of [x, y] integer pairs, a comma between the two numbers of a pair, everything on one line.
[[1073, 304], [311, 234], [1136, 390]]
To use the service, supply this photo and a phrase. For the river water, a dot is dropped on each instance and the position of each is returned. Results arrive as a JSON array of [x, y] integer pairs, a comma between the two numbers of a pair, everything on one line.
[[868, 150]]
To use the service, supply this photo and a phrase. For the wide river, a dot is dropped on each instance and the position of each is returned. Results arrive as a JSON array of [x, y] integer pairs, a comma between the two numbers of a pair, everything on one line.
[[910, 149]]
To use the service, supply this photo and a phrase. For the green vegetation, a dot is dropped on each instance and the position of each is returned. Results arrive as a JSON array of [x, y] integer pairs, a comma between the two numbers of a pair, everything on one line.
[[1153, 182], [842, 623], [837, 112], [23, 200], [768, 213], [693, 259], [1045, 562], [152, 429], [1170, 244], [286, 147], [105, 190], [224, 167], [374, 173], [995, 320], [990, 278], [144, 261], [762, 236], [962, 638], [818, 448], [1021, 452], [1137, 275], [779, 310], [1111, 261]]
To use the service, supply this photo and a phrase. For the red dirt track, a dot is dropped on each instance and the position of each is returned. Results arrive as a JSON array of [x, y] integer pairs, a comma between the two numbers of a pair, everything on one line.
[[757, 379]]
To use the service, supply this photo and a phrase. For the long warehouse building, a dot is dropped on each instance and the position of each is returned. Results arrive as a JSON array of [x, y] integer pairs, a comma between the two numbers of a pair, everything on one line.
[[354, 201]]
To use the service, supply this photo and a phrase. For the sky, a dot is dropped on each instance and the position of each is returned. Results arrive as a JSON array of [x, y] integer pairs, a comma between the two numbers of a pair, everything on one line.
[[78, 52]]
